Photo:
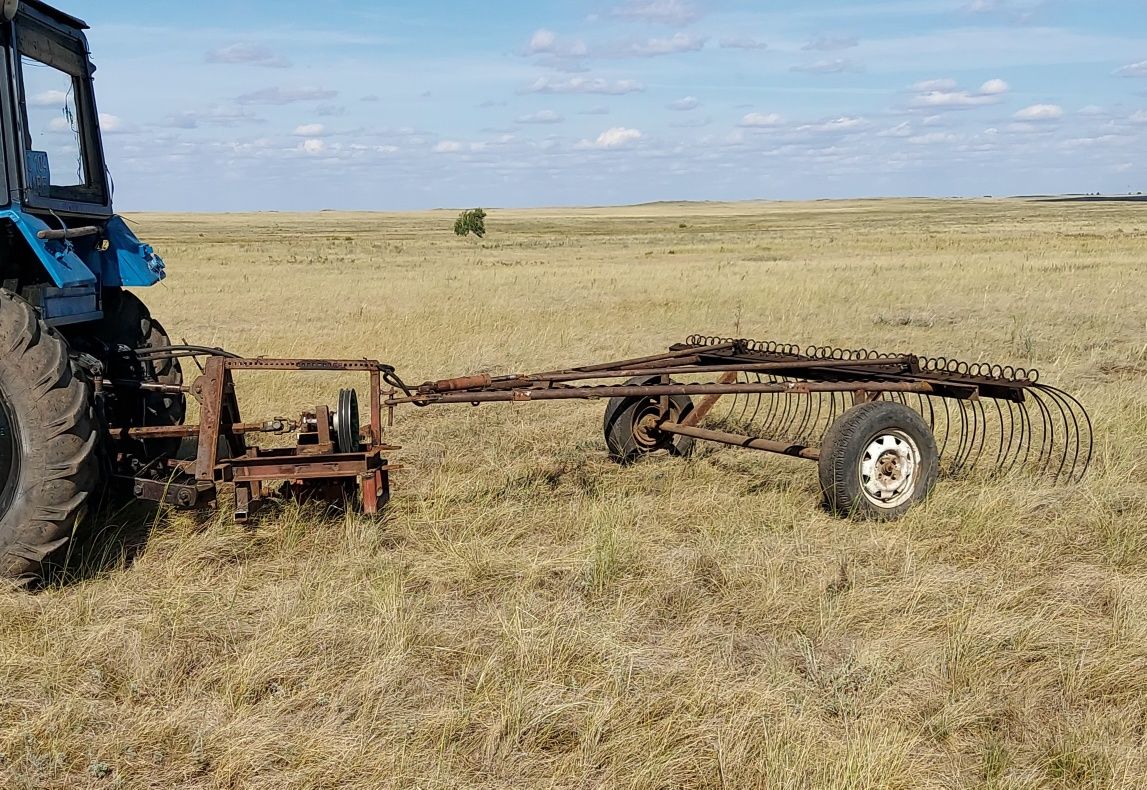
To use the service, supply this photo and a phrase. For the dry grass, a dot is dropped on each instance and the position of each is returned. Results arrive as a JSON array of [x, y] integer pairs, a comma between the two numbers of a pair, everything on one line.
[[527, 614]]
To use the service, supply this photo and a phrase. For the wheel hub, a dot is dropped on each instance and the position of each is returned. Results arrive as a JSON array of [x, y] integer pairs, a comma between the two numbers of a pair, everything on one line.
[[888, 469], [646, 430]]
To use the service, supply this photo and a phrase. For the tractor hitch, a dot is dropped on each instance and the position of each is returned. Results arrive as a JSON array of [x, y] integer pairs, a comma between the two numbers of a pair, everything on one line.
[[334, 457]]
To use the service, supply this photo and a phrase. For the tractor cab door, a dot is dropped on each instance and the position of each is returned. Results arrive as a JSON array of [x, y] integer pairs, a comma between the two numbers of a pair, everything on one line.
[[59, 155]]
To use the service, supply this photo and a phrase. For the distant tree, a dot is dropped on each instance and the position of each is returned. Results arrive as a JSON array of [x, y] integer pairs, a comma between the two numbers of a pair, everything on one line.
[[473, 221]]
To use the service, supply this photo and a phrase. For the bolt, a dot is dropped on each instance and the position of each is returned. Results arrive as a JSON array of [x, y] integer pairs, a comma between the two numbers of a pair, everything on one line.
[[184, 498], [139, 489]]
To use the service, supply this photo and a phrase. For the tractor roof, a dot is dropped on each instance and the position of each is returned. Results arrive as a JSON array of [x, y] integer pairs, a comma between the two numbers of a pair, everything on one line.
[[56, 14]]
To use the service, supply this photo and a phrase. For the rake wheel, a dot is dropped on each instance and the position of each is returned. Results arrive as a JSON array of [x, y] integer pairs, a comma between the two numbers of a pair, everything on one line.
[[878, 460], [631, 425]]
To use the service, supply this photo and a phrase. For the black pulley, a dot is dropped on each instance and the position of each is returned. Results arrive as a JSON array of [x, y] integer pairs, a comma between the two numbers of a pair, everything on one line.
[[346, 423]]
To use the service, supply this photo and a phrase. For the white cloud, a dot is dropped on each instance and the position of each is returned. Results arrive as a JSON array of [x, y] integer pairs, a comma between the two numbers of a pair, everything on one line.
[[112, 124], [314, 146], [1133, 70], [678, 42], [676, 13], [927, 86], [1040, 112], [49, 99], [281, 96], [449, 147], [686, 104], [617, 137], [542, 41], [246, 53], [584, 85], [903, 129], [219, 115], [1139, 117], [833, 66], [542, 116], [760, 120], [952, 100], [561, 54], [945, 94], [843, 124], [831, 44], [742, 42], [933, 138], [310, 130]]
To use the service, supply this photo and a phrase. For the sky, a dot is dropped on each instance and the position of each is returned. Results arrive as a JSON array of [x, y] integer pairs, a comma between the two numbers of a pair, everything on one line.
[[350, 104]]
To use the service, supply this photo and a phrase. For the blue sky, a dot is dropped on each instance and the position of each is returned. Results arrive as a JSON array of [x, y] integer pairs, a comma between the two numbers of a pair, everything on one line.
[[366, 105]]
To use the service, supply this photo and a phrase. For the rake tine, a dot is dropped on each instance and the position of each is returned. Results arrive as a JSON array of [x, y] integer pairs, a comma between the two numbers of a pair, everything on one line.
[[1006, 449], [1047, 437], [757, 407], [799, 430], [1062, 399], [1079, 409], [979, 432]]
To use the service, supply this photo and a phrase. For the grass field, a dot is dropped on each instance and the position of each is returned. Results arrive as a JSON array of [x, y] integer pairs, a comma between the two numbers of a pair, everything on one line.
[[527, 614]]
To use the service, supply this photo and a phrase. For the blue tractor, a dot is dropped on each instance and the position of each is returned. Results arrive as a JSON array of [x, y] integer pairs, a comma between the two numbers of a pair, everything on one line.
[[68, 327]]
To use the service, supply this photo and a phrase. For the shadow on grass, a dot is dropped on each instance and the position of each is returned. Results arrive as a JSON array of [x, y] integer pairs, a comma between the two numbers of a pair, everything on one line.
[[113, 537]]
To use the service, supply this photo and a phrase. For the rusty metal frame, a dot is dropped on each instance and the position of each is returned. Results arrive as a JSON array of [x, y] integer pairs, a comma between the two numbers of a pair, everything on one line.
[[867, 376], [225, 456]]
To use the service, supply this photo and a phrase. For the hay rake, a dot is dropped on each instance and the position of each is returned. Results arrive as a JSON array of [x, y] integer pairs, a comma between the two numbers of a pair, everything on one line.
[[883, 427]]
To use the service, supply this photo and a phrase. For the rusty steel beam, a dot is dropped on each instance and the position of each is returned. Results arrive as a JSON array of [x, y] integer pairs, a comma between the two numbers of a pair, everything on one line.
[[738, 440], [485, 382], [188, 431], [708, 402], [630, 363], [314, 365], [660, 390]]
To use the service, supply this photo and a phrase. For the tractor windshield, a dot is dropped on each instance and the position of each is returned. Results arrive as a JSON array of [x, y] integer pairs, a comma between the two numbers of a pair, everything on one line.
[[62, 154]]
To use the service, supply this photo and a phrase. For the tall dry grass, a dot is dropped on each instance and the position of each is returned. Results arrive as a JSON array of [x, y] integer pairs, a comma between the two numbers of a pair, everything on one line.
[[528, 614]]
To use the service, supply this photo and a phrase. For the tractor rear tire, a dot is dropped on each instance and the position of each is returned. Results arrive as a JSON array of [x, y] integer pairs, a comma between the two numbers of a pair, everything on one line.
[[127, 324], [49, 469]]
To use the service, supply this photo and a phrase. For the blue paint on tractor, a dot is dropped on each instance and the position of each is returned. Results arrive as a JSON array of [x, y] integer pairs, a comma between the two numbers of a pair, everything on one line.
[[126, 261]]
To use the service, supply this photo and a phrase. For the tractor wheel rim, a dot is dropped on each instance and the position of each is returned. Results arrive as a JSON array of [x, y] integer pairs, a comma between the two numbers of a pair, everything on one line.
[[9, 455], [888, 469]]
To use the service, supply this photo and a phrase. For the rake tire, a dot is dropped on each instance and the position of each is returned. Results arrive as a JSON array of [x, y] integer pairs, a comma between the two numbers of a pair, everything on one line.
[[878, 461], [47, 428], [622, 425]]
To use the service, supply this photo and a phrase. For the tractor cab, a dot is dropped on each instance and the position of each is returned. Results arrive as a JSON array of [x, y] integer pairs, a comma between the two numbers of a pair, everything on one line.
[[61, 244], [56, 157]]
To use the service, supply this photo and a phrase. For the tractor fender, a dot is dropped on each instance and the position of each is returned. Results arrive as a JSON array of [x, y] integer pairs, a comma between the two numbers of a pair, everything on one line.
[[123, 261], [127, 261], [59, 258]]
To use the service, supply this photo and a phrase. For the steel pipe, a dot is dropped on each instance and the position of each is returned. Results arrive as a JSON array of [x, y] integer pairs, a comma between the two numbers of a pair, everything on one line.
[[739, 440]]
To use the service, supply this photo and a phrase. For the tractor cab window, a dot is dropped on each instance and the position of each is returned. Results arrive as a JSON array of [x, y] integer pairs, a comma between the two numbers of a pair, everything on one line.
[[55, 142], [63, 158]]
